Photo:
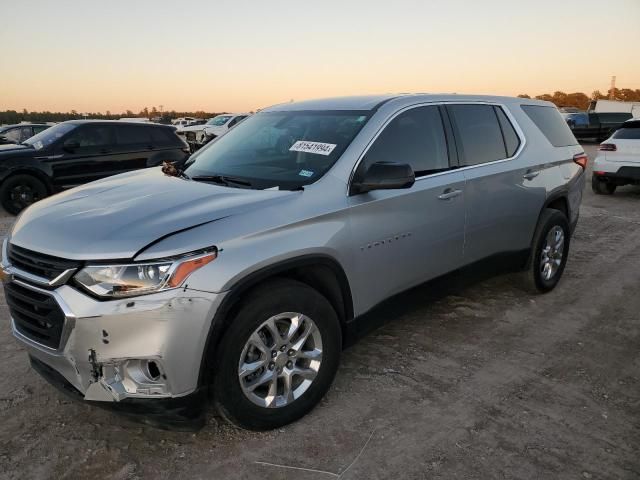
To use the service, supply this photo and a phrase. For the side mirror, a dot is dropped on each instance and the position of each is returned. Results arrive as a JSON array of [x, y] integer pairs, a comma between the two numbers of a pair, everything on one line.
[[71, 145], [384, 176]]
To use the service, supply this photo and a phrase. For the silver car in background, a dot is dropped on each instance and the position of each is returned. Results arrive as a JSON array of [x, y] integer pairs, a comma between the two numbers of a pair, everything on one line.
[[239, 276]]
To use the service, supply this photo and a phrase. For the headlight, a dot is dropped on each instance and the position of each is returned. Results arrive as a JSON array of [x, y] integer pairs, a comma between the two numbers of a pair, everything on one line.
[[140, 278]]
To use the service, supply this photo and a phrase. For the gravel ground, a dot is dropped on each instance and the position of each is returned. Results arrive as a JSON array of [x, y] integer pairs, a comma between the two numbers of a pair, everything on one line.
[[470, 378]]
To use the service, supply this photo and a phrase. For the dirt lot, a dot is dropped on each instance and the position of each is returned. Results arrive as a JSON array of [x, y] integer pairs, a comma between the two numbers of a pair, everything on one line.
[[469, 379]]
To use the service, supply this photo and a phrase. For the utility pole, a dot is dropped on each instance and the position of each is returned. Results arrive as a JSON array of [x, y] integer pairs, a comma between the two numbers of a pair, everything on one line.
[[613, 88]]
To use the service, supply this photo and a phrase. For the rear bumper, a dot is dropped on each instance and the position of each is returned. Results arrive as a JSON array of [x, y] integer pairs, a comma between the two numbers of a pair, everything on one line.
[[616, 172]]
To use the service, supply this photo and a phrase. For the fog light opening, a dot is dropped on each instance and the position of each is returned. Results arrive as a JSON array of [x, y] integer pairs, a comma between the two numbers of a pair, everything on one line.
[[153, 371]]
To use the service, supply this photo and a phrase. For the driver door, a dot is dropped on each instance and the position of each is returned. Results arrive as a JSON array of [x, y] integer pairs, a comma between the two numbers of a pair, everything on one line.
[[405, 237]]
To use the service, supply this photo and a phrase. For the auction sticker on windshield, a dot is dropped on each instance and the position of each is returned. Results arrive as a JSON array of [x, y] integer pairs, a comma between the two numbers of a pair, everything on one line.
[[312, 147]]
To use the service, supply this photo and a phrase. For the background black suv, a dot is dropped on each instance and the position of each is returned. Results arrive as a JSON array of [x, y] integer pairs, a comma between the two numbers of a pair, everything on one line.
[[80, 151]]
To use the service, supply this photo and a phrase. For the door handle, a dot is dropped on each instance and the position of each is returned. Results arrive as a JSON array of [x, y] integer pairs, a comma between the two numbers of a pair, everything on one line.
[[531, 175], [449, 193]]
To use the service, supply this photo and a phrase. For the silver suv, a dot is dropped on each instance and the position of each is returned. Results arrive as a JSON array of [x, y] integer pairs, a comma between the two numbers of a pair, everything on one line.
[[239, 275]]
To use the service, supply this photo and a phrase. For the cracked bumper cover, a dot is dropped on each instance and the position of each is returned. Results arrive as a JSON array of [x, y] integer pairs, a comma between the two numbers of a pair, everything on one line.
[[105, 345]]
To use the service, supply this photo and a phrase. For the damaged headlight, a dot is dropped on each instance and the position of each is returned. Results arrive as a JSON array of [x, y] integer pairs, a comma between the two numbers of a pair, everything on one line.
[[140, 278]]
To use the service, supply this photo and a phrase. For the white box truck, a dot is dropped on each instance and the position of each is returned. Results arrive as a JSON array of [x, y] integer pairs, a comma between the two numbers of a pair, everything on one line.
[[615, 106]]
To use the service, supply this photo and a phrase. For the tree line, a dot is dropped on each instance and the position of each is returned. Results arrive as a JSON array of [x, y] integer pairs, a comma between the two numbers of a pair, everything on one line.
[[8, 117], [561, 99], [581, 100]]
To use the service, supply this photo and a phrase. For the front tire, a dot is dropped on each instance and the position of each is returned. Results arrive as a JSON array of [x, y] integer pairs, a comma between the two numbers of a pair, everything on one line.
[[279, 356], [549, 252], [20, 191]]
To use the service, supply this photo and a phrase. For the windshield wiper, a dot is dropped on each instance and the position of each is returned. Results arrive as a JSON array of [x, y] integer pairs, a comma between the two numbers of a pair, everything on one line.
[[221, 180]]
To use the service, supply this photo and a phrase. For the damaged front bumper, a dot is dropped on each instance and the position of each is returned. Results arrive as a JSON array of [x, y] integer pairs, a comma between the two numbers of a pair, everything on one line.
[[139, 355]]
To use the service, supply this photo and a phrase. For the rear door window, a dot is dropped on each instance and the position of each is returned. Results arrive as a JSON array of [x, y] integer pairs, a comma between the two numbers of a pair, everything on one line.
[[551, 124], [416, 137], [479, 133]]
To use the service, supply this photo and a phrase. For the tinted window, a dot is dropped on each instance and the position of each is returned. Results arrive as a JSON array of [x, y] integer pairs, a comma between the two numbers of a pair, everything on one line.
[[511, 139], [551, 124], [12, 135], [163, 136], [133, 135], [25, 132], [40, 128], [630, 131], [415, 137], [479, 132], [92, 136]]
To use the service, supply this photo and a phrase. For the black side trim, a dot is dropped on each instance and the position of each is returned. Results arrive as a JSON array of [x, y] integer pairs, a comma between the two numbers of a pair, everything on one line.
[[186, 413]]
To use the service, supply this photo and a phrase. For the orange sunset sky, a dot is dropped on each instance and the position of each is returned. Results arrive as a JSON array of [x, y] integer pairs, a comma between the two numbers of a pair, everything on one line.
[[247, 54]]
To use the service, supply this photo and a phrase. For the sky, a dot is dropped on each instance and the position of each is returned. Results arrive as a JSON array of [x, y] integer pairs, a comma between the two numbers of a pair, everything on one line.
[[242, 55]]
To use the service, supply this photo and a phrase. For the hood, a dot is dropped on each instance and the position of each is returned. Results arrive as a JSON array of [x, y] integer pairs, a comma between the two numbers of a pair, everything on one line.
[[215, 129], [12, 148], [118, 217]]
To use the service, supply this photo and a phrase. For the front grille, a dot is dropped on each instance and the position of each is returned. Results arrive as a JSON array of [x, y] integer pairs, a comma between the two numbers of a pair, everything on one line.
[[39, 264], [36, 315]]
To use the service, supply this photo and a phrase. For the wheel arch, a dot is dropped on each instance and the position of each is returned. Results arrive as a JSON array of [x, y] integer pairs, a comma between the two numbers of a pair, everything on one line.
[[558, 201], [34, 172], [321, 272]]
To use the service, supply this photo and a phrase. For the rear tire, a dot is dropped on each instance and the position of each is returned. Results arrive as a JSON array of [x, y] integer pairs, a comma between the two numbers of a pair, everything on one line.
[[549, 252], [20, 191], [601, 187], [260, 400]]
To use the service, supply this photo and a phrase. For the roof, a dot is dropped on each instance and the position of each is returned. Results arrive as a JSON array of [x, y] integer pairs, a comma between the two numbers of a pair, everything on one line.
[[114, 122], [372, 102]]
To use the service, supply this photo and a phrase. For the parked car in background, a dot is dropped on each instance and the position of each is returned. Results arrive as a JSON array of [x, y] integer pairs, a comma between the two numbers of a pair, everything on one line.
[[618, 160], [592, 125], [220, 125], [242, 276], [80, 151], [183, 122], [196, 135], [20, 132]]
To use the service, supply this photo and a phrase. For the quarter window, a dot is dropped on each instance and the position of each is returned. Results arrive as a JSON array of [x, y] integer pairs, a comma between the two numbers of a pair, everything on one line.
[[132, 135], [415, 137], [511, 139], [551, 124], [479, 133]]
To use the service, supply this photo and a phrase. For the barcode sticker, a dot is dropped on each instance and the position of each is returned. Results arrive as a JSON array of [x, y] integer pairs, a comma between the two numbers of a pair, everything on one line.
[[312, 147]]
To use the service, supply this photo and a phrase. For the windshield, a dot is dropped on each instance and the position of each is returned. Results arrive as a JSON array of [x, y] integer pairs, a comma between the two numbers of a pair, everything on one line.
[[49, 136], [219, 120], [280, 149]]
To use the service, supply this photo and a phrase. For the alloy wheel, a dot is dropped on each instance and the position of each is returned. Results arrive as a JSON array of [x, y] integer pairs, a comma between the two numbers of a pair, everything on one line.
[[552, 253], [280, 360]]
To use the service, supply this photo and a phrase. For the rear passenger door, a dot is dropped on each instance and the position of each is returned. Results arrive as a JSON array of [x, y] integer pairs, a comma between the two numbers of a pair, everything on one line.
[[134, 147], [502, 199], [404, 237]]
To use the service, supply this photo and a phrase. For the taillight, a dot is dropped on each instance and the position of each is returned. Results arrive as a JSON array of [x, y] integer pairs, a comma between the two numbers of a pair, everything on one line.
[[607, 147], [581, 159]]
